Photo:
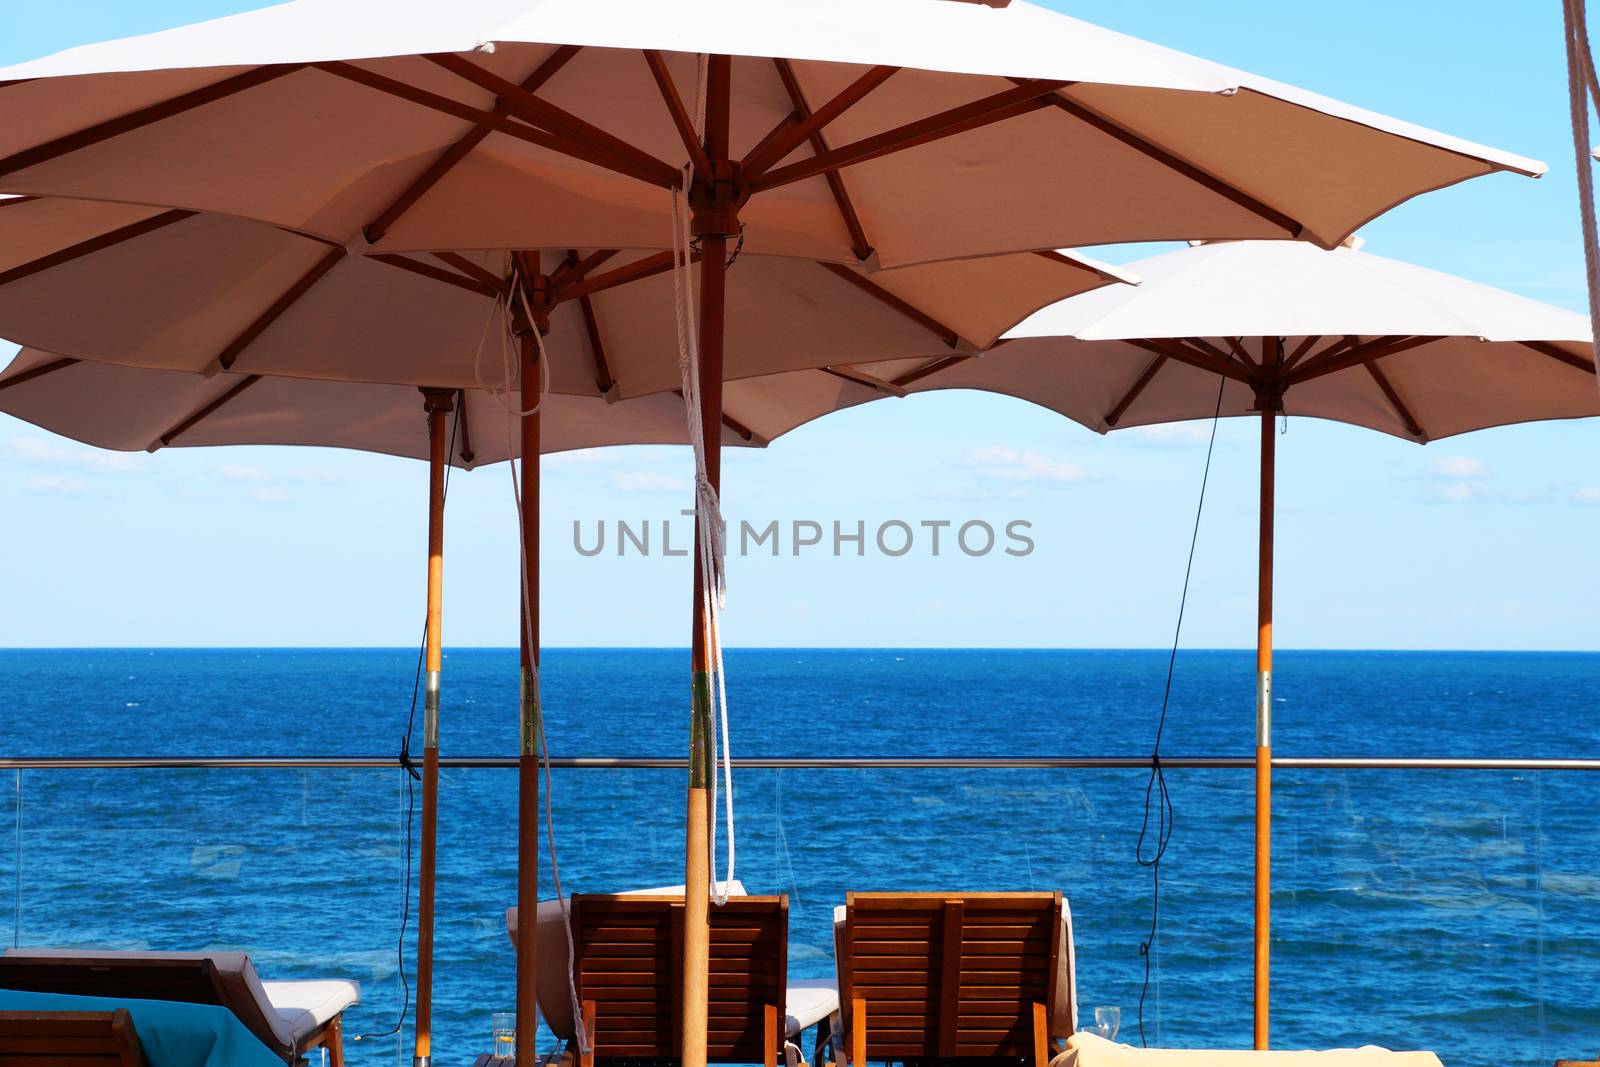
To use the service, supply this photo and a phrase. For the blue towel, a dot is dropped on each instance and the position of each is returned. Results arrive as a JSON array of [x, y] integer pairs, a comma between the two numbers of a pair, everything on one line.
[[173, 1034]]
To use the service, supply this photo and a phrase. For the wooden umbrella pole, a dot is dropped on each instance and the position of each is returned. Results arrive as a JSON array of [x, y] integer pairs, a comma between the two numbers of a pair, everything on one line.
[[528, 753], [714, 201], [1269, 404], [438, 404]]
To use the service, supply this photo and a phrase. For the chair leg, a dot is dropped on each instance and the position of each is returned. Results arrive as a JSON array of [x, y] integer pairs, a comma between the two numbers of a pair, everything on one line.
[[586, 1059], [1041, 1036], [836, 1041], [858, 1032], [769, 1033]]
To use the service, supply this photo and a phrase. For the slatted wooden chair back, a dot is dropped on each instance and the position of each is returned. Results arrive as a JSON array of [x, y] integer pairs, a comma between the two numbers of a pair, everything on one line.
[[949, 976], [69, 1039], [628, 967]]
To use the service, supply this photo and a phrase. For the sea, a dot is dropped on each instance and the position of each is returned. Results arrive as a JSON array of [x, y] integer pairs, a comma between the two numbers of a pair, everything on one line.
[[1452, 910]]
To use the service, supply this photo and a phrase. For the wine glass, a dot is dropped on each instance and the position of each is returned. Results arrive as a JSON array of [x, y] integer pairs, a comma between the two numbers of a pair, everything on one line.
[[1107, 1021]]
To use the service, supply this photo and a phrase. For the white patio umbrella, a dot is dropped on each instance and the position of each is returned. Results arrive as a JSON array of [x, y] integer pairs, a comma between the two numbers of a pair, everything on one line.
[[191, 308], [1285, 327], [877, 135]]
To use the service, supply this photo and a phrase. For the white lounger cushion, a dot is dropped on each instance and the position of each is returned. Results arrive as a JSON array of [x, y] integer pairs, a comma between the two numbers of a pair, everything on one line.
[[309, 1006], [292, 1015], [1064, 1012], [811, 1000], [555, 997], [1091, 1050]]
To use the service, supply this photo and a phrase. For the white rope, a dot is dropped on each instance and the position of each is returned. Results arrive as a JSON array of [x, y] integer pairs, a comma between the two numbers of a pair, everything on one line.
[[711, 531], [1581, 83], [514, 412]]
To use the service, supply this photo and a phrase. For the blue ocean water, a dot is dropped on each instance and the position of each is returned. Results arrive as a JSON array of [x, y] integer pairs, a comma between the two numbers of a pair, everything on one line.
[[1458, 911]]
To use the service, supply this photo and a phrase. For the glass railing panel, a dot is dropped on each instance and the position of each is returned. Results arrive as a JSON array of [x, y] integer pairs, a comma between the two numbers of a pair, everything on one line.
[[299, 868], [1447, 910]]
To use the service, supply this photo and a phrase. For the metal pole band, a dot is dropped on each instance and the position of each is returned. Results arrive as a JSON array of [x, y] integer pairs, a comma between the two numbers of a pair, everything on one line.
[[430, 710], [1264, 709], [530, 712], [421, 1061], [700, 731]]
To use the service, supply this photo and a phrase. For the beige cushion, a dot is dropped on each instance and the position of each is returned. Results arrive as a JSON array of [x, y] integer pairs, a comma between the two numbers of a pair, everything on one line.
[[307, 1007], [1064, 1012], [555, 995], [1091, 1050]]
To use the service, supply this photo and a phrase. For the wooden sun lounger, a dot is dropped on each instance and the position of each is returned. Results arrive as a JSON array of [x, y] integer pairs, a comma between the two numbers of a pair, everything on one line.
[[226, 979], [627, 966], [949, 976], [69, 1038]]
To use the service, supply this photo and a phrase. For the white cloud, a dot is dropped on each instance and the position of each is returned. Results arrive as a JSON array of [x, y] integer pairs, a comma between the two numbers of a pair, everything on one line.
[[71, 454], [1174, 433], [1588, 495], [1456, 467], [648, 482], [233, 472], [269, 494], [583, 457], [55, 483], [1455, 491], [315, 474], [1011, 465]]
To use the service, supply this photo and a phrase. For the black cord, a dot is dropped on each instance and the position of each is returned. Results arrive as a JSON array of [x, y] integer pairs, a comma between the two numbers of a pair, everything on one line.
[[413, 776], [1156, 786]]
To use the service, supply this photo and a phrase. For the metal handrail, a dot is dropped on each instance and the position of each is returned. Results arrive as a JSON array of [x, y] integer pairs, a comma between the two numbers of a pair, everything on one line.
[[1385, 763]]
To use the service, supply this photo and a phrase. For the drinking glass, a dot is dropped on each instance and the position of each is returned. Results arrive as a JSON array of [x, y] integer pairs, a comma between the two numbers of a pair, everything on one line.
[[1107, 1021], [505, 1033]]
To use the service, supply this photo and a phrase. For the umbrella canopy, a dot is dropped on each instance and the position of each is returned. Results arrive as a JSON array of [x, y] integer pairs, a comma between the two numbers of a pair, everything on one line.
[[1270, 326], [1366, 340], [899, 131], [206, 293]]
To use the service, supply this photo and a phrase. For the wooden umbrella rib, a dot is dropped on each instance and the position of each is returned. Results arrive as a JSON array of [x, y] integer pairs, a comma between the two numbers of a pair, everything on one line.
[[1299, 353], [189, 423], [1236, 346], [542, 113], [1200, 360], [1076, 264], [927, 370], [1114, 416], [791, 134], [37, 372], [1376, 349], [1545, 348], [916, 315], [861, 377], [1290, 226], [1412, 425], [859, 244], [498, 123], [144, 116], [577, 268], [458, 151], [231, 353], [1025, 98], [730, 422], [438, 274], [645, 267], [94, 244], [16, 201], [591, 325], [681, 120], [487, 277]]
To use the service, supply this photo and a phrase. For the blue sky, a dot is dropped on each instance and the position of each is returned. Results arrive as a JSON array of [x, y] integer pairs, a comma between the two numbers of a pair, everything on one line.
[[1485, 541]]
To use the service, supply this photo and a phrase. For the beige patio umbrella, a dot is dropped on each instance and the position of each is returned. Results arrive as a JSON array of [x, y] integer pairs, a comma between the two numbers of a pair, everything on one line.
[[196, 327], [1284, 327], [864, 135]]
